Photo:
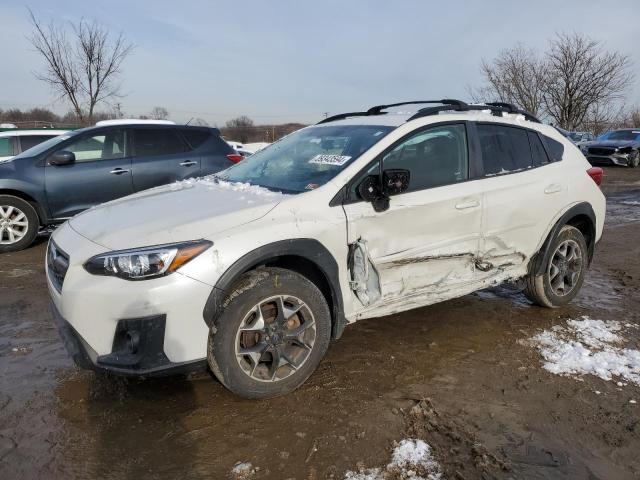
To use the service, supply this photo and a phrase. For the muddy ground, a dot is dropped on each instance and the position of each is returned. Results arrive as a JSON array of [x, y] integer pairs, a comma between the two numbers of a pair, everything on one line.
[[455, 374]]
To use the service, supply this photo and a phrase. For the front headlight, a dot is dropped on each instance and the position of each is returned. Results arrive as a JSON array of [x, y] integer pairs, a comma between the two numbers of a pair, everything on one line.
[[147, 262]]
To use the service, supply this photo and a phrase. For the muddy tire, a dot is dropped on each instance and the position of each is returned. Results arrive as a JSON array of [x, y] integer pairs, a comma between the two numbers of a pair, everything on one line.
[[19, 224], [564, 270], [634, 160], [272, 332]]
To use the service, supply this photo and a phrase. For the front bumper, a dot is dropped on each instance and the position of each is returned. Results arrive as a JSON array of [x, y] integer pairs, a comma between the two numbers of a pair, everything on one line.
[[101, 317], [617, 159], [146, 359]]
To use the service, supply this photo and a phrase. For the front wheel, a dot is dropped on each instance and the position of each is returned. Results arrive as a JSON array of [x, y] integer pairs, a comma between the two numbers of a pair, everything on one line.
[[273, 330], [563, 273], [18, 224], [634, 159]]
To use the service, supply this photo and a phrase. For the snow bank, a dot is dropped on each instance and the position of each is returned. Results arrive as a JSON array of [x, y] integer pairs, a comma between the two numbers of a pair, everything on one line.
[[411, 459], [589, 347]]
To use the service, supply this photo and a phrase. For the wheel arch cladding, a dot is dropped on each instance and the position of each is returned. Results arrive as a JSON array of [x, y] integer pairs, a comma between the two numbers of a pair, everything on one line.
[[305, 256], [580, 216], [27, 198]]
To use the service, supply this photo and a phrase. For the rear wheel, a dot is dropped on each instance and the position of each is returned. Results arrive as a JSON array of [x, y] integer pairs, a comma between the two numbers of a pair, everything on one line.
[[634, 159], [271, 335], [18, 224], [563, 272]]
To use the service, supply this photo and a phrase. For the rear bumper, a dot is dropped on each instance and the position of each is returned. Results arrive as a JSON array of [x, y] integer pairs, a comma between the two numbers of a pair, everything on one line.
[[137, 349]]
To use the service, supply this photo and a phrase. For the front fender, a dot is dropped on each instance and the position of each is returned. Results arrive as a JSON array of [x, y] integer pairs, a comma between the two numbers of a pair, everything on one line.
[[307, 248]]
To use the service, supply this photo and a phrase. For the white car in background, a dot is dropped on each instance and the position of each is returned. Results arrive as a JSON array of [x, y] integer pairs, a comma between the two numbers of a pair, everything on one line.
[[16, 141], [255, 269]]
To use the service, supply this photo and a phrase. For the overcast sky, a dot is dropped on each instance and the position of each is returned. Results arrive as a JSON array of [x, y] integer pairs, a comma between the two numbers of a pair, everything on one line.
[[292, 60]]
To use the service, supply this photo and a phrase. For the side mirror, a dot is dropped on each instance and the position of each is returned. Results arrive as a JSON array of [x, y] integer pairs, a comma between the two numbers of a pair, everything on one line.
[[62, 157], [370, 191], [395, 181]]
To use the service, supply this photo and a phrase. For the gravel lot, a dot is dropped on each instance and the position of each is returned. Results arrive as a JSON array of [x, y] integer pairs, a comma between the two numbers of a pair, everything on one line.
[[464, 376]]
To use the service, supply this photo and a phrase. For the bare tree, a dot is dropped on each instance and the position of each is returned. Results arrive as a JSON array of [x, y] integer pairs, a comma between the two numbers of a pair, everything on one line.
[[582, 76], [242, 121], [240, 128], [82, 65], [517, 75], [159, 113]]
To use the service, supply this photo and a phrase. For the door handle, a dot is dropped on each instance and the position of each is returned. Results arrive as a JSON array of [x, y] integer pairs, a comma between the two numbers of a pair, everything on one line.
[[119, 171], [467, 204], [553, 188], [188, 163]]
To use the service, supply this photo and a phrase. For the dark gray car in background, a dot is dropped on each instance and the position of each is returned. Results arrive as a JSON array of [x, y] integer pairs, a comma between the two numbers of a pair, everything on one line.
[[61, 177], [618, 147]]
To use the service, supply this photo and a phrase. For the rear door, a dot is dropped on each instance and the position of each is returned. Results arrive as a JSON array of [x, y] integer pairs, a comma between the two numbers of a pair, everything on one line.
[[523, 188], [423, 247], [215, 154], [101, 172], [161, 156]]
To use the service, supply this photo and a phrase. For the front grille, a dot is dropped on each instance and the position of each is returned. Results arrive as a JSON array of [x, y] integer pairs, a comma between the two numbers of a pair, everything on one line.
[[604, 151], [57, 265]]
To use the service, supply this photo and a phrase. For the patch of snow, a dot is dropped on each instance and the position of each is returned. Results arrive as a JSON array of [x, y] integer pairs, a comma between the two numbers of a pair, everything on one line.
[[242, 471], [589, 347], [632, 401], [411, 459]]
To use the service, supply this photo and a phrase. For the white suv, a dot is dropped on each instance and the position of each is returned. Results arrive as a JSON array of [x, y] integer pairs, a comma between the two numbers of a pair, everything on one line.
[[15, 141], [255, 269]]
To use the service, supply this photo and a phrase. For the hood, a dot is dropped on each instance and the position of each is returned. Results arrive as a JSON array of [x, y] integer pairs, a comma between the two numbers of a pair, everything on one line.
[[181, 211], [611, 143]]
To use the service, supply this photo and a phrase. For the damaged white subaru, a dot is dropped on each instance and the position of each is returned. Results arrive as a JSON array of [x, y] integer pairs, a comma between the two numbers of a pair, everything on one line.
[[253, 271]]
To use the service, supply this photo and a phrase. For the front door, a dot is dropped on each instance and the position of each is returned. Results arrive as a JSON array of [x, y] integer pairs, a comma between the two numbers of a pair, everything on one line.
[[101, 172], [423, 248]]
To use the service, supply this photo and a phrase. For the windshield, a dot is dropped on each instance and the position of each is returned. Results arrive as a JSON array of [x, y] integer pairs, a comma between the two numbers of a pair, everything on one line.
[[306, 159], [633, 135], [575, 136], [44, 146]]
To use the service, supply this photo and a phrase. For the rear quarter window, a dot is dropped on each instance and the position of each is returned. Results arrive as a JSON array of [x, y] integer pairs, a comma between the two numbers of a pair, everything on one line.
[[195, 138], [554, 149]]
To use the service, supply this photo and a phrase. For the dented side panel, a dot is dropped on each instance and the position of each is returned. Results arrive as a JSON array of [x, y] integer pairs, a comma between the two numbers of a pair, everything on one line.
[[423, 247]]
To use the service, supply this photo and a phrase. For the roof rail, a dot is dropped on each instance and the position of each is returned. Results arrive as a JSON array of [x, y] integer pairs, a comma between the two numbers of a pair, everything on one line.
[[514, 109], [377, 110], [447, 104]]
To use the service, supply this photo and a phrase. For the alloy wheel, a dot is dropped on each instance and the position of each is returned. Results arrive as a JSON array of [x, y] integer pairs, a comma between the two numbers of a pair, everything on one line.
[[275, 338], [13, 224], [565, 268]]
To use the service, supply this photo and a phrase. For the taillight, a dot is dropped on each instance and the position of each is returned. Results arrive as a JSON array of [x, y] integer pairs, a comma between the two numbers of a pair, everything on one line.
[[596, 174], [235, 157]]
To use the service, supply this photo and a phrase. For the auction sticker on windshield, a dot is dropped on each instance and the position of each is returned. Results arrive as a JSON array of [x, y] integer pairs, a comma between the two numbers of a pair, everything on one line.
[[337, 160]]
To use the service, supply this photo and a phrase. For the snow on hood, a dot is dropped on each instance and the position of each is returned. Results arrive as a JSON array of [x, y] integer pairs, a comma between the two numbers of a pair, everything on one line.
[[187, 210]]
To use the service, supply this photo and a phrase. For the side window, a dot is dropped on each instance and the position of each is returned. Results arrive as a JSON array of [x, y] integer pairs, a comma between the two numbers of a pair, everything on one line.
[[504, 149], [160, 141], [105, 146], [6, 146], [434, 157], [28, 141], [537, 150], [195, 137], [555, 149]]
